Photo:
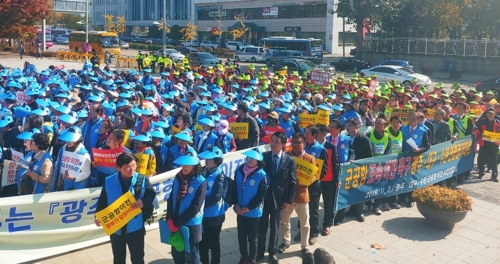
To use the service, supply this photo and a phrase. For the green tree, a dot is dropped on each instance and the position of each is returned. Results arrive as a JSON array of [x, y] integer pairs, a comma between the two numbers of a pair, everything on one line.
[[189, 32], [365, 15]]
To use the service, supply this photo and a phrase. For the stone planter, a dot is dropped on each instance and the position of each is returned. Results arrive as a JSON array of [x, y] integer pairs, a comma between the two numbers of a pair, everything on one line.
[[441, 219]]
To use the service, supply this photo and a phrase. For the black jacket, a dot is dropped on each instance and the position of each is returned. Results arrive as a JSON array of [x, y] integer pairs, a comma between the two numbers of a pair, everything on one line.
[[281, 185], [360, 147], [253, 133]]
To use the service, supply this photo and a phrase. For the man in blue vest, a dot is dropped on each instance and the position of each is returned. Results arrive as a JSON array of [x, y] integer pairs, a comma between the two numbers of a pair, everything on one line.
[[90, 130], [132, 234]]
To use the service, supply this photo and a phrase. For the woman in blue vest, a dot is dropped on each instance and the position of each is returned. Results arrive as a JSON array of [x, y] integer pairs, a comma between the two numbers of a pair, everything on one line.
[[185, 206], [160, 150], [225, 138], [215, 205], [206, 138], [250, 190], [132, 234], [179, 149], [27, 137], [41, 166], [64, 179]]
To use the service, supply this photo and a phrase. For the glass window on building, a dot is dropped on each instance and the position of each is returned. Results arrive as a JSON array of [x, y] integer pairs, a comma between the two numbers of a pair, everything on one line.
[[181, 8]]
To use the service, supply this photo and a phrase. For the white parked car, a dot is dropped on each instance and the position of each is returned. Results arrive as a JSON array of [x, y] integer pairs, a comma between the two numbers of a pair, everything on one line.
[[192, 43], [251, 53], [124, 45], [401, 74], [174, 54], [62, 40], [234, 45], [209, 44]]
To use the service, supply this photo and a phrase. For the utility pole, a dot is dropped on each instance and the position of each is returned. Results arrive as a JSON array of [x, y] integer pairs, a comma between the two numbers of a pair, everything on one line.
[[164, 39], [87, 22]]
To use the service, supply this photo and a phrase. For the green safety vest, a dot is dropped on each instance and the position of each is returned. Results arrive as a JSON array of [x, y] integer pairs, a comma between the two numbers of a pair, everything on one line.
[[396, 142], [379, 145], [464, 121]]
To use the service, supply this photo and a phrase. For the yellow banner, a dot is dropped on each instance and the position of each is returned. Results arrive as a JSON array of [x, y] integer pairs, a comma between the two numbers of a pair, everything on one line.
[[175, 130], [125, 142], [319, 165], [403, 113], [197, 128], [305, 171], [491, 136], [476, 112], [323, 117], [142, 163], [118, 214], [239, 130], [430, 113], [306, 120]]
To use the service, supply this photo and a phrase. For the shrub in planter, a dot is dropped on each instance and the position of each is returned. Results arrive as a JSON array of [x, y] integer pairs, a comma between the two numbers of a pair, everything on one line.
[[442, 198]]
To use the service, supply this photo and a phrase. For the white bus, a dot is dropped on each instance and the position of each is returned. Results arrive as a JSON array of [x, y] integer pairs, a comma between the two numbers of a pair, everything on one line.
[[306, 47]]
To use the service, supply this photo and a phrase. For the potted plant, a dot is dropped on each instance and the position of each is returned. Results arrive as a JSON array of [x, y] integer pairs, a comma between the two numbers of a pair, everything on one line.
[[442, 207]]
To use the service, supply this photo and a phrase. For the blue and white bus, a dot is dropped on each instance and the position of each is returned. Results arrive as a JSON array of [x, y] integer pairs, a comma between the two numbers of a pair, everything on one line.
[[307, 47]]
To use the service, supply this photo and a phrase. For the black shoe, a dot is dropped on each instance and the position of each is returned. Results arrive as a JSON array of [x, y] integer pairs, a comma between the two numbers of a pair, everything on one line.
[[494, 179], [337, 223], [274, 259], [304, 251], [283, 247], [395, 206], [377, 211], [243, 260], [259, 257], [361, 218], [326, 231], [296, 238], [313, 240], [480, 176]]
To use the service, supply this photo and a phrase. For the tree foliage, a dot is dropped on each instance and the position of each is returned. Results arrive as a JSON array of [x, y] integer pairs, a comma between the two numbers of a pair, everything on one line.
[[190, 32], [70, 20], [242, 30], [19, 18], [110, 25]]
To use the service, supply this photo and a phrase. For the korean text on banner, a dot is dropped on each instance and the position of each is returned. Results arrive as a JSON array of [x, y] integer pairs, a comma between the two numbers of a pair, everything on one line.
[[72, 163], [106, 157], [319, 165], [22, 98], [306, 171], [393, 174], [118, 214], [306, 120], [403, 113], [16, 155], [430, 113], [175, 130], [8, 173], [320, 78], [491, 136], [142, 163], [239, 130], [323, 117]]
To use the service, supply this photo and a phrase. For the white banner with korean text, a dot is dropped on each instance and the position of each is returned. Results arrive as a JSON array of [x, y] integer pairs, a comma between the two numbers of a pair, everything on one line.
[[42, 225]]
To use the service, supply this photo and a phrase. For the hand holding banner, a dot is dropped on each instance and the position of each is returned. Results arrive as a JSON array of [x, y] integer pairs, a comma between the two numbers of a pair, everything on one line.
[[239, 130], [72, 163], [118, 214], [306, 171]]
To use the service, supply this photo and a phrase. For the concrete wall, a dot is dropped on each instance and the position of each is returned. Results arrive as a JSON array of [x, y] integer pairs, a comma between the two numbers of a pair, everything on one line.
[[469, 65]]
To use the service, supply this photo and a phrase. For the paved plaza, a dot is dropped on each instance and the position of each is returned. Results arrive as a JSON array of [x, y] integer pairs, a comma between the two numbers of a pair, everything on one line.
[[404, 233]]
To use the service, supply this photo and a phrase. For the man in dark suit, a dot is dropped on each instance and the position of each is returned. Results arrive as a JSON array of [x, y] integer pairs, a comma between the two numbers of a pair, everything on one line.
[[443, 132], [280, 169]]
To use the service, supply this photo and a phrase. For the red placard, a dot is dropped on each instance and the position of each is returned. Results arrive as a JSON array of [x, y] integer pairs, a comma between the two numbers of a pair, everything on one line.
[[320, 78], [106, 157]]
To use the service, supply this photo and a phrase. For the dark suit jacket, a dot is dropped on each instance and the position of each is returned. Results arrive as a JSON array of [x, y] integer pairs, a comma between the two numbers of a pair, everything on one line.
[[281, 187], [360, 148], [443, 132], [432, 131]]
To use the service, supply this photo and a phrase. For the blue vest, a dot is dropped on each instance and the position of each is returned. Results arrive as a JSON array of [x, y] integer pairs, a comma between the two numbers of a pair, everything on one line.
[[417, 135], [193, 109], [314, 150], [342, 147], [36, 167], [221, 207], [352, 114], [147, 80], [176, 152], [58, 174], [248, 190], [91, 134], [209, 142], [20, 172], [341, 118], [139, 126], [114, 191], [163, 152], [287, 126], [226, 142], [193, 186]]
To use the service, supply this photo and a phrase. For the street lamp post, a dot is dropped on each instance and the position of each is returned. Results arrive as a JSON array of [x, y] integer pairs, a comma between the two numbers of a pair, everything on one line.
[[87, 22], [164, 28]]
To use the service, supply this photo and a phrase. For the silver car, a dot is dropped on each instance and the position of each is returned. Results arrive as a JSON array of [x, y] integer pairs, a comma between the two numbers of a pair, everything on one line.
[[174, 54], [251, 53]]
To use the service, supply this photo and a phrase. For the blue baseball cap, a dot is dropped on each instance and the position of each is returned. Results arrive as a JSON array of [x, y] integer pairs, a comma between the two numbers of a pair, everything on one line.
[[73, 134], [255, 154], [184, 136], [143, 137], [214, 153], [158, 133], [28, 135], [187, 160], [207, 121]]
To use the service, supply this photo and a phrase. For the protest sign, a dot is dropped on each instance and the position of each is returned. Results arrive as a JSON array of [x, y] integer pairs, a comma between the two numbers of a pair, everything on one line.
[[71, 162], [323, 117], [320, 78], [306, 120], [118, 214], [8, 173], [175, 130], [125, 138], [306, 171], [319, 165], [106, 157], [403, 113], [16, 155], [491, 136], [429, 114], [387, 175], [239, 130], [142, 163]]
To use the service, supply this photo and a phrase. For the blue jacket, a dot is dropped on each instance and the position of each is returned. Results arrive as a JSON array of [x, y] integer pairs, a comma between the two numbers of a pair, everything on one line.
[[352, 114], [417, 135], [288, 126], [147, 80], [209, 142], [91, 134], [221, 206], [342, 147], [185, 203], [174, 153], [114, 191], [247, 191], [36, 167]]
